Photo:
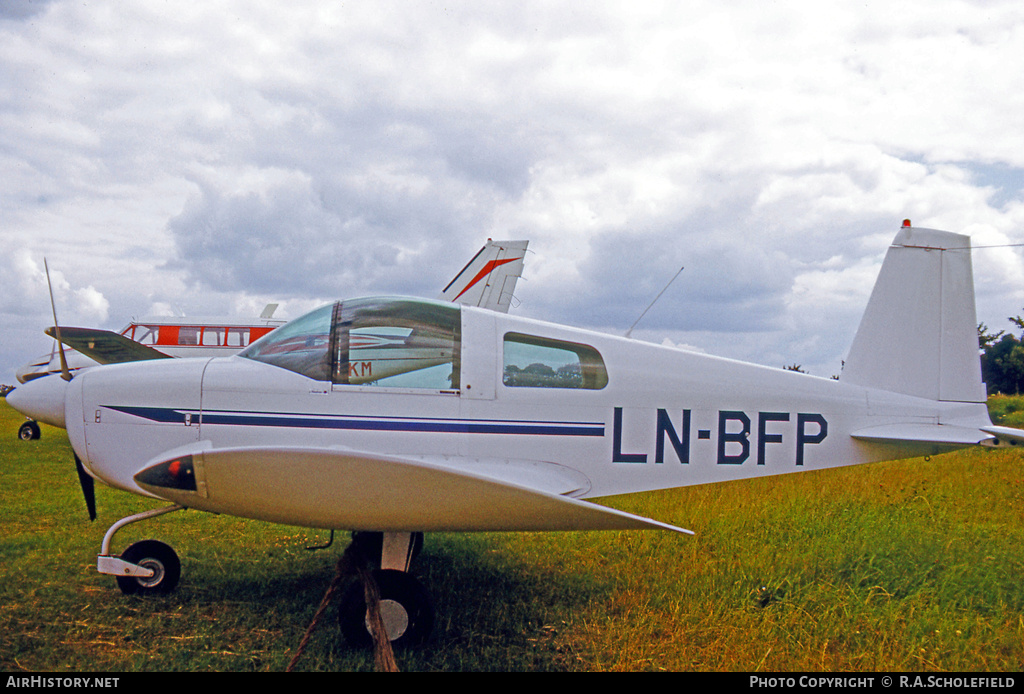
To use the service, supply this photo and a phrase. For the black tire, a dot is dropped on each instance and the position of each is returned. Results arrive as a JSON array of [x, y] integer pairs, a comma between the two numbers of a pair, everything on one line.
[[29, 431], [406, 608], [155, 555]]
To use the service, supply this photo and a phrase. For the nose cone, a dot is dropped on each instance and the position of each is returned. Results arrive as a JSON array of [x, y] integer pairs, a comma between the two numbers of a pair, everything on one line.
[[41, 399]]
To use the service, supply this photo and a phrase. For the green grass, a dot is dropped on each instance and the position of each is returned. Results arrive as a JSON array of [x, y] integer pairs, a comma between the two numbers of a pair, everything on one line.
[[905, 566], [1007, 410]]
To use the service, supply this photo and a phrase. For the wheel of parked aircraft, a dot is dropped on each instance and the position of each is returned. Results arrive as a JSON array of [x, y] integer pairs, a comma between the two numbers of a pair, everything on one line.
[[29, 431], [405, 608], [154, 555]]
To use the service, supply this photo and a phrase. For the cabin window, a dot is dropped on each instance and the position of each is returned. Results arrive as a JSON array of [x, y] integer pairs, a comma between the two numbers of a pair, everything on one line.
[[213, 337], [531, 361], [302, 346], [188, 335], [400, 343], [237, 337], [146, 334]]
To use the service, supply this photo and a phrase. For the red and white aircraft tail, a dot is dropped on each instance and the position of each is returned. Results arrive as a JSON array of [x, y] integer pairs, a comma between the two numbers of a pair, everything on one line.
[[489, 279]]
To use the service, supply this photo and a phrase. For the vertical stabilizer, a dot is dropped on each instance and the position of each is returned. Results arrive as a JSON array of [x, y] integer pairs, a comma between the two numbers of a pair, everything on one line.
[[489, 279], [919, 334]]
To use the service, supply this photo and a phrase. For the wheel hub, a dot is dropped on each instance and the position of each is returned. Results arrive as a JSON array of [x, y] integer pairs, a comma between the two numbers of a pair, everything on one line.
[[157, 567], [394, 616]]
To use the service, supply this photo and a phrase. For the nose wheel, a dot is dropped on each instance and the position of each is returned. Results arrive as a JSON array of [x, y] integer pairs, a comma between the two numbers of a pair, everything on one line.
[[159, 559], [149, 567], [29, 431]]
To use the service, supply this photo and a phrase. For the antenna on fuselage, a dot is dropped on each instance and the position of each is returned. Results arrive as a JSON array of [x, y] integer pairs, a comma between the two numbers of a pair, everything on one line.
[[628, 332]]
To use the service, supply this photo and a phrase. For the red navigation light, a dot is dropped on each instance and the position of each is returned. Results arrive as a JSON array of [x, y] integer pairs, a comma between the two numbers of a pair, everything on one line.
[[172, 474], [906, 222]]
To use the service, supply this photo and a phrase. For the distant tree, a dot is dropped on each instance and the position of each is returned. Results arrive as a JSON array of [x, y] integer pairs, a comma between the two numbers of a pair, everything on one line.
[[794, 367], [1018, 321], [987, 339], [1002, 366], [1002, 358]]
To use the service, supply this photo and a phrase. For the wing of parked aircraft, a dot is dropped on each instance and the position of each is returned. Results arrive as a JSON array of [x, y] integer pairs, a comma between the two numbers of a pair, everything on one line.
[[382, 492], [105, 346]]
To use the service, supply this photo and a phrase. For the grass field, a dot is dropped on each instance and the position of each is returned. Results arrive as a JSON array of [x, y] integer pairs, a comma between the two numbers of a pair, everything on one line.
[[907, 566]]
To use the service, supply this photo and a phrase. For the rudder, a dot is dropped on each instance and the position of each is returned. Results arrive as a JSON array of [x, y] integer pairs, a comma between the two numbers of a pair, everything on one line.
[[919, 333]]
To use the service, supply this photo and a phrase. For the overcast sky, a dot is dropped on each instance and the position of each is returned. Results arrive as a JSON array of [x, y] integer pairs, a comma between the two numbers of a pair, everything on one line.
[[206, 158]]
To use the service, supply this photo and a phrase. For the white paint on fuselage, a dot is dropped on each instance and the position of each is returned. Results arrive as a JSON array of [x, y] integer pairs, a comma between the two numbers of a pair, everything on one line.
[[248, 403]]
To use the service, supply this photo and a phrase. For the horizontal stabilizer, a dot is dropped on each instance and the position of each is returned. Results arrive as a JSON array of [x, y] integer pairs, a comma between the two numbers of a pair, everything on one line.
[[1005, 435], [915, 433], [104, 346], [343, 489]]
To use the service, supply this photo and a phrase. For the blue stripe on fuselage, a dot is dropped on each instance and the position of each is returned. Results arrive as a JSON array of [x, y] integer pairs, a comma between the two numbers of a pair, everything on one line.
[[349, 422]]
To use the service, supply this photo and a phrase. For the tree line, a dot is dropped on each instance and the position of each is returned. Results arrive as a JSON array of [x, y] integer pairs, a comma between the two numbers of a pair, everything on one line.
[[1002, 358]]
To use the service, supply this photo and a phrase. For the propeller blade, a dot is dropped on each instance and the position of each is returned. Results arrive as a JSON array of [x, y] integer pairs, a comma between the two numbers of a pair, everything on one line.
[[64, 372], [88, 489]]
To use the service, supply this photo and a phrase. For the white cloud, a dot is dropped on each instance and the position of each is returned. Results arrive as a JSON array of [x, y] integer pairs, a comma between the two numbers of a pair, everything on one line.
[[214, 157]]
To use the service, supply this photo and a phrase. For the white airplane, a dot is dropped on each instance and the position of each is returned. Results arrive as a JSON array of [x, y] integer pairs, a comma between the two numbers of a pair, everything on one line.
[[488, 280], [396, 416]]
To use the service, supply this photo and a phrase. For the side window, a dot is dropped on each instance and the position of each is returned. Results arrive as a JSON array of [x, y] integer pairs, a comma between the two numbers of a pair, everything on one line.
[[237, 337], [302, 346], [188, 335], [539, 362], [398, 344], [146, 334], [213, 337]]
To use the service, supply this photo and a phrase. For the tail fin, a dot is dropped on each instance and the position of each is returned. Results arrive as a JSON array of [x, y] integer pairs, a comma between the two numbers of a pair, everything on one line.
[[919, 334], [489, 279]]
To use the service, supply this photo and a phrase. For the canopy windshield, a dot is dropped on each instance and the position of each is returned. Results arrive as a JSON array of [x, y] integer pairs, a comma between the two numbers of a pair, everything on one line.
[[385, 341]]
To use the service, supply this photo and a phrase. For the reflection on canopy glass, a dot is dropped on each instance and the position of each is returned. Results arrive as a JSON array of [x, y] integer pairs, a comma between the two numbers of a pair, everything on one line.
[[301, 346], [391, 342]]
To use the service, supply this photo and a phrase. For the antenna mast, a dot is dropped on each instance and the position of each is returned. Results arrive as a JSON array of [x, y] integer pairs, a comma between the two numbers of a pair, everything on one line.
[[629, 332]]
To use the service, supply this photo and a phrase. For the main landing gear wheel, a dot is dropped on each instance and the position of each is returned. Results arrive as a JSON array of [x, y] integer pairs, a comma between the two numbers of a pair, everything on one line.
[[159, 557], [29, 431], [405, 608]]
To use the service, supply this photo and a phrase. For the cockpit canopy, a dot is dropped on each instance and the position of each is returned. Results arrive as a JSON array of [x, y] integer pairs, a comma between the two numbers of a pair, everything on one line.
[[386, 341]]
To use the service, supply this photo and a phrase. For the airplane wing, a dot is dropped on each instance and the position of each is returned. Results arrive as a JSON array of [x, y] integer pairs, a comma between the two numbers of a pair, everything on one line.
[[104, 346], [489, 279], [344, 489]]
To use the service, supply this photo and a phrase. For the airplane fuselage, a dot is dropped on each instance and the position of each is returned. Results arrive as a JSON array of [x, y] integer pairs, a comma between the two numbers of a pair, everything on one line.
[[650, 416]]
